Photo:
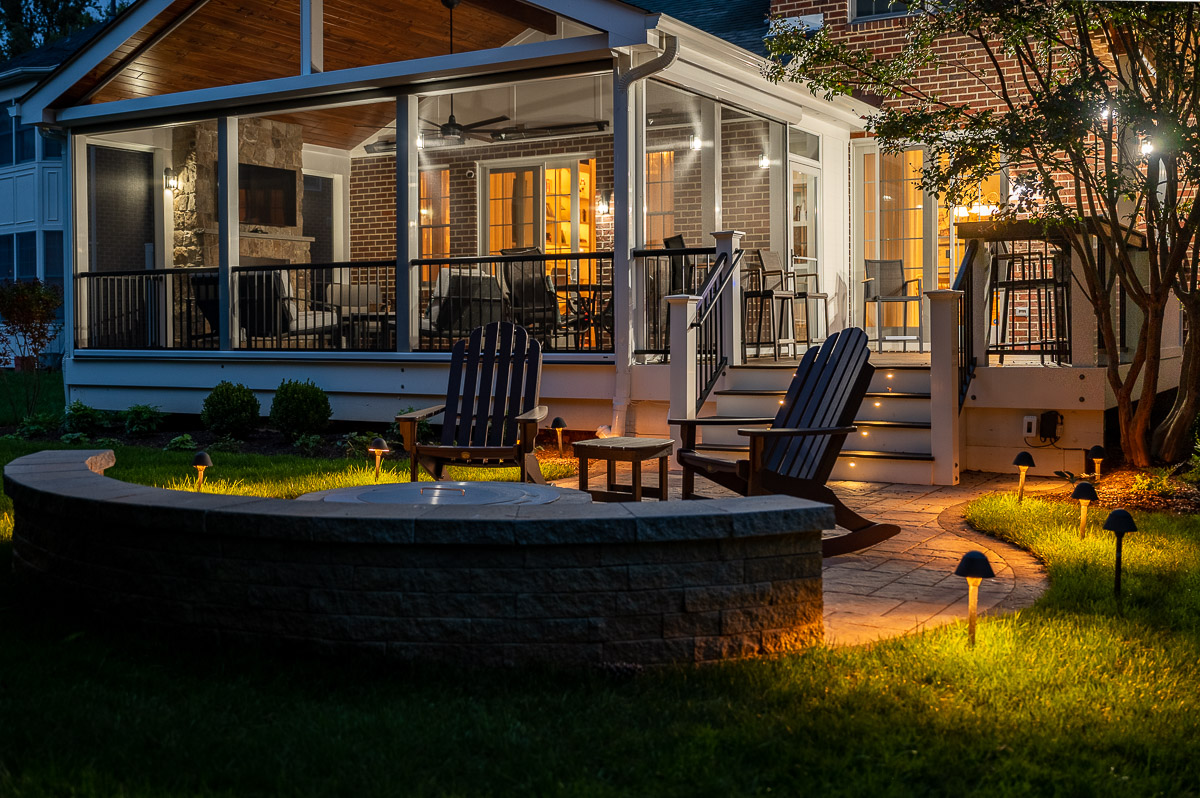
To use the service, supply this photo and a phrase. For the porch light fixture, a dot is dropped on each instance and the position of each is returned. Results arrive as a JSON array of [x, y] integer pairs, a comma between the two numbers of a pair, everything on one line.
[[558, 425], [378, 448], [170, 179], [200, 462], [696, 143], [764, 162], [602, 205], [1085, 493], [1147, 147], [420, 141], [1096, 455], [1119, 522], [1023, 461], [975, 567]]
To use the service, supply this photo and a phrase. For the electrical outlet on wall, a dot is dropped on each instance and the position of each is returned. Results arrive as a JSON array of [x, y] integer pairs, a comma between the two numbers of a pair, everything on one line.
[[1029, 425]]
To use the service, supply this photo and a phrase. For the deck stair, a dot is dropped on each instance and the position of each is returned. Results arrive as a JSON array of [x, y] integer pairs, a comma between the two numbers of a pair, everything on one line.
[[893, 441]]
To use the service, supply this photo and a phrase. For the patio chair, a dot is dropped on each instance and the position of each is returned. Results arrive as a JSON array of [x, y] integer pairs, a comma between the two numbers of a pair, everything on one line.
[[768, 286], [885, 284], [805, 287], [796, 454], [491, 408]]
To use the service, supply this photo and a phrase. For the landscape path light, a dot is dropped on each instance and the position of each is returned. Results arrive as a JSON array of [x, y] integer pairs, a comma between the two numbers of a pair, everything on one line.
[[1096, 455], [975, 567], [1119, 522], [1023, 461], [201, 461], [1085, 492], [378, 448], [558, 425]]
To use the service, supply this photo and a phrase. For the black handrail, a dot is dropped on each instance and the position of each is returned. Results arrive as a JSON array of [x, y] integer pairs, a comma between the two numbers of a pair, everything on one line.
[[964, 281], [711, 357]]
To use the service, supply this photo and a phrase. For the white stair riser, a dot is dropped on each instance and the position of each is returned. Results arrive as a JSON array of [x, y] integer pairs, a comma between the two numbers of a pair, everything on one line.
[[749, 405], [910, 472], [881, 439], [902, 380], [894, 408], [759, 379]]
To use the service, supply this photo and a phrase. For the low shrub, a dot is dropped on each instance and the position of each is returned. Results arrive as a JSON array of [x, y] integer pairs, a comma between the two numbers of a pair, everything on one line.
[[84, 418], [231, 410], [227, 443], [307, 444], [1156, 482], [142, 419], [107, 443], [181, 443], [75, 439], [39, 425], [300, 408], [354, 444]]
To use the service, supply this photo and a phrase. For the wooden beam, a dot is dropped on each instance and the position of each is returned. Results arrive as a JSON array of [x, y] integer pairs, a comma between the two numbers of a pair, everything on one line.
[[537, 18]]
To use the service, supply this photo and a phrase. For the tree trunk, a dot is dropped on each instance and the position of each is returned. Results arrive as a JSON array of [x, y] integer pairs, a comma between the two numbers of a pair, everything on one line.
[[1134, 421], [1173, 441]]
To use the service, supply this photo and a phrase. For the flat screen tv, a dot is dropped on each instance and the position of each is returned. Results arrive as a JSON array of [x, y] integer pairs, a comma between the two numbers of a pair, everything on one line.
[[266, 195]]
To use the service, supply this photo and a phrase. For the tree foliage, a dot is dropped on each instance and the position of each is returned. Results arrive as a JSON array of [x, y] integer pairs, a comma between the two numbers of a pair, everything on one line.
[[1091, 109], [28, 24]]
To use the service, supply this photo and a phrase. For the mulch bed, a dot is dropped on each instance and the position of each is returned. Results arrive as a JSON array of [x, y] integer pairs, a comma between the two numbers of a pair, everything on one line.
[[1116, 489]]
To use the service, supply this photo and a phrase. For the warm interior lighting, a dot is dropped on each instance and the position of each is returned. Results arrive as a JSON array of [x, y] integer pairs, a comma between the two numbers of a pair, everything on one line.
[[961, 211]]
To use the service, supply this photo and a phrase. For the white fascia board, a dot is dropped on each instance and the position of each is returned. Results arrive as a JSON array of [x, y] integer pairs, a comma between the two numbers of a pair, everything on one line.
[[307, 87], [714, 61], [624, 25], [128, 23]]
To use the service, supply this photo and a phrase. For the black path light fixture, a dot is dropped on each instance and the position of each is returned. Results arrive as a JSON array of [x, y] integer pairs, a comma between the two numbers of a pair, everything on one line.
[[975, 567], [1085, 493], [201, 461], [1024, 462], [1119, 522], [558, 425], [1096, 455], [378, 448]]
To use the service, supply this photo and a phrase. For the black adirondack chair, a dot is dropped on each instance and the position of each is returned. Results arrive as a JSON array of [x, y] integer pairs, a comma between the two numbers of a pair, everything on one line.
[[796, 454], [491, 409]]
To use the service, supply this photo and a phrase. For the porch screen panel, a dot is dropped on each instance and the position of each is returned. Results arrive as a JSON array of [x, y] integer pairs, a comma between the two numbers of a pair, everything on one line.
[[893, 219], [120, 208], [511, 220]]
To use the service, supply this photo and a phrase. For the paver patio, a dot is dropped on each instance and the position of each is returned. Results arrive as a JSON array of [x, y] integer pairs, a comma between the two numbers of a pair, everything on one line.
[[907, 583]]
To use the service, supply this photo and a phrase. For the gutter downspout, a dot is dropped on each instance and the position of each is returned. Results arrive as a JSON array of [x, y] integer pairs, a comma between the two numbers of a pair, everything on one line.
[[624, 373]]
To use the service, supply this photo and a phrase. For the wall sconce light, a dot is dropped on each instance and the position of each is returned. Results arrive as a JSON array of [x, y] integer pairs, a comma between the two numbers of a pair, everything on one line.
[[1147, 147], [200, 462], [1023, 461], [1096, 455], [602, 205], [696, 143], [420, 142], [378, 448], [170, 179], [975, 567], [1119, 522], [764, 162], [1084, 492], [558, 425]]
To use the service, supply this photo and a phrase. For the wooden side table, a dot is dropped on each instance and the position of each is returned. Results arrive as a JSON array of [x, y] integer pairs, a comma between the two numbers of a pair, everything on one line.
[[625, 450]]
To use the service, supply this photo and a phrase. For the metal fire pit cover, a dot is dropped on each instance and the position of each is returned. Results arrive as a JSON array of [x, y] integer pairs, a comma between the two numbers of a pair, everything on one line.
[[449, 493]]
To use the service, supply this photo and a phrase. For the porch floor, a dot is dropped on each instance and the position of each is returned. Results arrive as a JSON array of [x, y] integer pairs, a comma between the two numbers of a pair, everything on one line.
[[907, 584]]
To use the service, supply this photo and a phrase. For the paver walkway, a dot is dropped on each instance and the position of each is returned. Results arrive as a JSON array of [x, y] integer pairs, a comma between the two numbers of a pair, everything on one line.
[[907, 583]]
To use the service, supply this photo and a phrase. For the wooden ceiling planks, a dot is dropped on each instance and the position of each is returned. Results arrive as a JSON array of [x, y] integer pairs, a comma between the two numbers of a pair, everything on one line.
[[341, 128], [227, 42]]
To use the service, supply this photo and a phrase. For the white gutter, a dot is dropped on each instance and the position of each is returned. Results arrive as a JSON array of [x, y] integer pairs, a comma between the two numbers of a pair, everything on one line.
[[623, 381]]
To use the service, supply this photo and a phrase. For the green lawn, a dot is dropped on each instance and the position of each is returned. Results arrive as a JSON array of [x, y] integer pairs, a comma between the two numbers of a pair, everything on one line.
[[1076, 696]]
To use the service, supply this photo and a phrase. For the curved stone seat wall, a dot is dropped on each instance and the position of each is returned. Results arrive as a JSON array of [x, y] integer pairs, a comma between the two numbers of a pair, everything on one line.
[[647, 583]]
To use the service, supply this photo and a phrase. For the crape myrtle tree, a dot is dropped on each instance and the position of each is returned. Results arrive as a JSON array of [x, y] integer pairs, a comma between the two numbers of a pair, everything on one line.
[[1091, 110]]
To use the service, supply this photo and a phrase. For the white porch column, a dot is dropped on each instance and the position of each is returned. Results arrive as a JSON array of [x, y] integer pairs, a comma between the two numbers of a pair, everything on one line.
[[228, 252], [728, 242], [682, 309], [982, 323], [710, 165], [407, 207], [945, 429], [626, 210]]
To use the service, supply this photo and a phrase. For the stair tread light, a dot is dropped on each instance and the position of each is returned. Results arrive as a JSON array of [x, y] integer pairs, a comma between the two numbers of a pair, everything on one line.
[[201, 461], [379, 448], [975, 567], [1119, 522], [1084, 492], [1023, 461]]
